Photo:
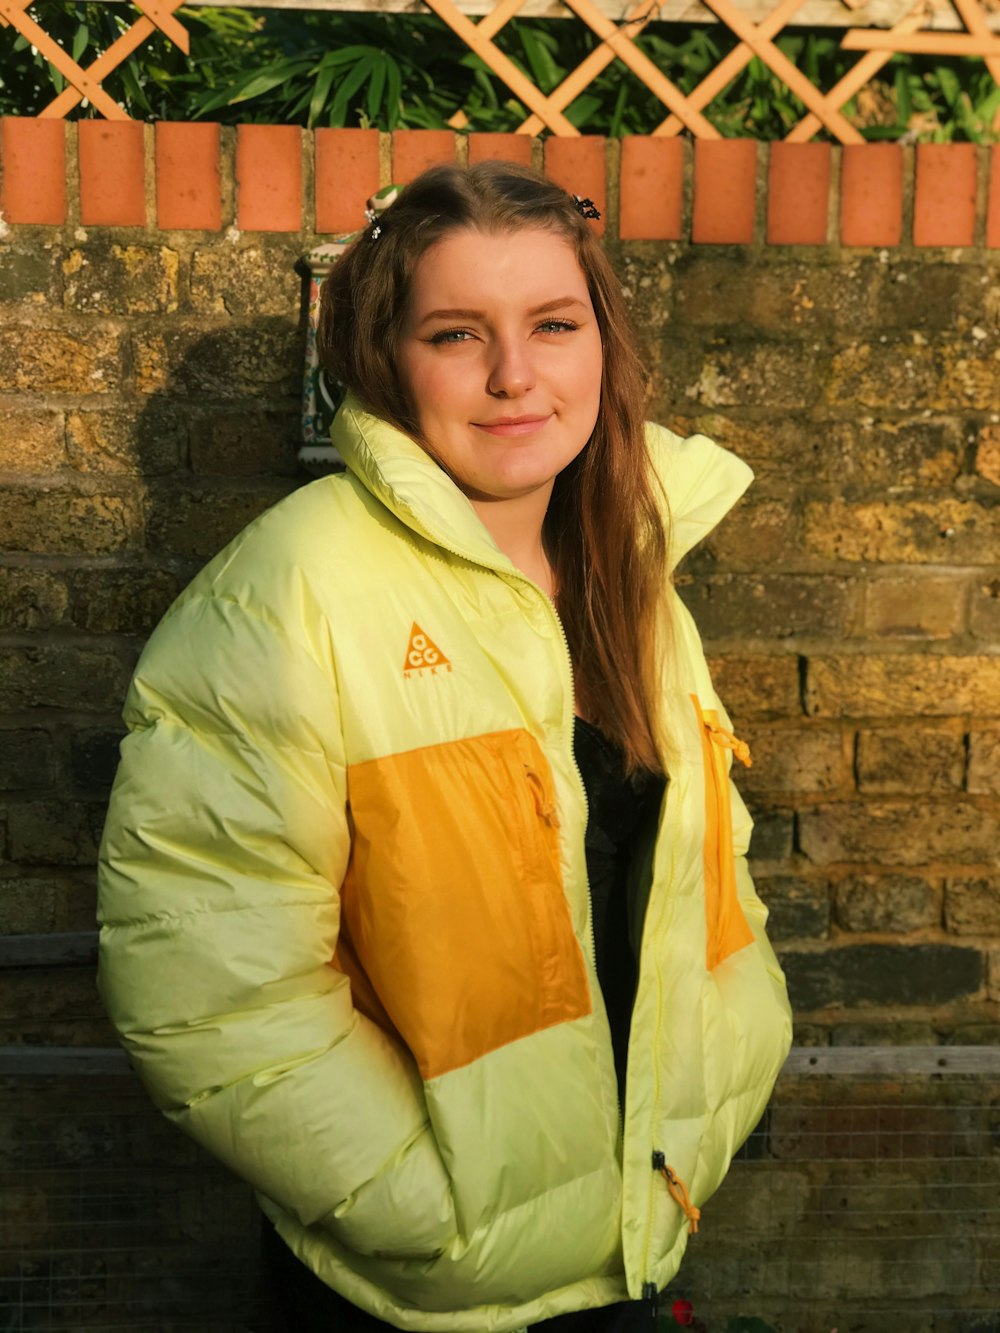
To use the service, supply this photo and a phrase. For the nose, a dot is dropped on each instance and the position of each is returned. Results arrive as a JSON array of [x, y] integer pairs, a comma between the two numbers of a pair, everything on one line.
[[511, 373]]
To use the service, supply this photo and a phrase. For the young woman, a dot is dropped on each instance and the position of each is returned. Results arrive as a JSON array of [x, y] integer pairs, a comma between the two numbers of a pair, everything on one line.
[[424, 896]]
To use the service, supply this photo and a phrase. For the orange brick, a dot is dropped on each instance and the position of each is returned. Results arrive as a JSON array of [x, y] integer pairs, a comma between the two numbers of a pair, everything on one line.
[[188, 176], [112, 173], [346, 177], [871, 194], [500, 148], [993, 203], [33, 166], [944, 206], [269, 178], [652, 189], [725, 191], [413, 151], [578, 166], [798, 193]]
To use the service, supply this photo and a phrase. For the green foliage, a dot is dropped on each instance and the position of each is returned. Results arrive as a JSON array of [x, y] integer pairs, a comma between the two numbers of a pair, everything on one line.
[[393, 70]]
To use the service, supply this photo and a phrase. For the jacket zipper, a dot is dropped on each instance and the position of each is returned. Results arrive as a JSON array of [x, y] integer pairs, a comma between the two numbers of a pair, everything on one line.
[[515, 574]]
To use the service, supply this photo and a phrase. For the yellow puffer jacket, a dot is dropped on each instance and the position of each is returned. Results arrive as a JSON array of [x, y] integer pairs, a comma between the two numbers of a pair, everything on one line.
[[346, 932]]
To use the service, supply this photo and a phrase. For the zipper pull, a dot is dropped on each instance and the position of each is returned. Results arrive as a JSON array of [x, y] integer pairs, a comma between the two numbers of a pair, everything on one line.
[[649, 1293], [730, 742], [678, 1192], [545, 809]]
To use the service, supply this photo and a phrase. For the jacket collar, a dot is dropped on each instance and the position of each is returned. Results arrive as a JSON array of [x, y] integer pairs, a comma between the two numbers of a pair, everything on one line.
[[411, 485], [701, 481]]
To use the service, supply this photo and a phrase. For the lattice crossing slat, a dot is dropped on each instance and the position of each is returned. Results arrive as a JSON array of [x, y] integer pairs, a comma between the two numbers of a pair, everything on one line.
[[155, 15]]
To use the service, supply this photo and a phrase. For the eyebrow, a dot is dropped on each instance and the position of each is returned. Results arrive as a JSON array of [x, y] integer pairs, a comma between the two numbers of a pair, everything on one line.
[[560, 303]]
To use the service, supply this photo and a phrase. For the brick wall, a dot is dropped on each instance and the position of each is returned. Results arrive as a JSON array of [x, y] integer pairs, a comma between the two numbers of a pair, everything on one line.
[[833, 315]]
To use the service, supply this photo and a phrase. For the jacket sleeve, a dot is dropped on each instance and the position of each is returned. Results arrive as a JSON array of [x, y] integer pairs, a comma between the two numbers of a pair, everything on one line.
[[226, 842]]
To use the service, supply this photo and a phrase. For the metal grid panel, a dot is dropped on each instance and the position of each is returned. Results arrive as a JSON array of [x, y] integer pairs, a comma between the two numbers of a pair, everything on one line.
[[865, 1201], [111, 1219]]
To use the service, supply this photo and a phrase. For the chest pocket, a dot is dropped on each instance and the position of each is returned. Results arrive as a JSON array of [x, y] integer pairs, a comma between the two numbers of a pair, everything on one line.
[[727, 930], [455, 926]]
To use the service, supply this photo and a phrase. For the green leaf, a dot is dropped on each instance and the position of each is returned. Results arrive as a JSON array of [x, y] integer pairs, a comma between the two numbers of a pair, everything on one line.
[[376, 87], [80, 39], [320, 92]]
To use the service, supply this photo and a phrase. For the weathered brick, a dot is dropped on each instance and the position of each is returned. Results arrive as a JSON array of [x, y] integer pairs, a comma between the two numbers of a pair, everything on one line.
[[858, 454], [887, 974], [868, 685], [40, 905], [237, 444], [755, 373], [26, 274], [262, 360], [121, 601], [984, 612], [915, 607], [82, 360], [251, 280], [733, 291], [911, 759], [754, 535], [988, 454], [647, 280], [972, 904], [200, 522], [909, 832], [883, 1034], [934, 298], [798, 908], [975, 1034], [54, 832], [938, 377], [93, 758], [755, 685], [112, 279], [943, 531], [776, 606], [31, 598], [993, 980], [984, 762], [772, 835], [48, 521], [82, 679], [122, 440], [890, 903], [26, 759], [794, 759], [30, 999], [31, 440]]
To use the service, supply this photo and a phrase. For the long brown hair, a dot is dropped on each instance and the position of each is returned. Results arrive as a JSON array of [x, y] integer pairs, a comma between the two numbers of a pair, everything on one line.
[[604, 533]]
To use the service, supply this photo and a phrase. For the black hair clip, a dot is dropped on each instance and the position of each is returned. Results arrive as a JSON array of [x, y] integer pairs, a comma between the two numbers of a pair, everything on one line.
[[586, 209]]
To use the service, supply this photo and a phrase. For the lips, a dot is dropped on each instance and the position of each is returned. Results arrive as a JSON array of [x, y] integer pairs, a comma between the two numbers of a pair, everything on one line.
[[502, 426]]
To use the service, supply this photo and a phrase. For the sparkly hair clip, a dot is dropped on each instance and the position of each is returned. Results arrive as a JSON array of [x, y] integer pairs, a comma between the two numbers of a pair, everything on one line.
[[586, 208], [377, 205]]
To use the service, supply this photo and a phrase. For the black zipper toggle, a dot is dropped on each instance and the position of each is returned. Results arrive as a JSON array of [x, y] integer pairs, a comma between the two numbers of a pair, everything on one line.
[[659, 1161], [649, 1293]]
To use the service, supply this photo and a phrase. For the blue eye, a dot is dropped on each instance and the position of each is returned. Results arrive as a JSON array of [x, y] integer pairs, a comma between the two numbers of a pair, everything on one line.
[[450, 336]]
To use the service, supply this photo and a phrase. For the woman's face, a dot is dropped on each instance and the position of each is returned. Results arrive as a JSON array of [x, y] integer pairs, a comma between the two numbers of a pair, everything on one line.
[[501, 358]]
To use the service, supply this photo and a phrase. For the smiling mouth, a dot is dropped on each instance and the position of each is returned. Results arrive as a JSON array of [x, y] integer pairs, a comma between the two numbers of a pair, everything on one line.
[[512, 425]]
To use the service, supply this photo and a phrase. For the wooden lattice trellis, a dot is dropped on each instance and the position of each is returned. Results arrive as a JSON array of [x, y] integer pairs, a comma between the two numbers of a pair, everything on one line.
[[86, 83], [918, 28], [755, 39]]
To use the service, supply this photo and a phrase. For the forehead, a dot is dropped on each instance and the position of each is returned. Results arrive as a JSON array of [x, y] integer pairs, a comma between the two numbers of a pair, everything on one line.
[[470, 268]]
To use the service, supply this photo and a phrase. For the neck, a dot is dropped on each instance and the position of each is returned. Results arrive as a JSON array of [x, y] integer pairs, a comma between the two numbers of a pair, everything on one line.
[[516, 527]]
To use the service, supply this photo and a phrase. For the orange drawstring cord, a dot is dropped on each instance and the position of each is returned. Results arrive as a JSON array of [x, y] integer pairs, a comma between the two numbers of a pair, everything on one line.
[[730, 742], [680, 1196]]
